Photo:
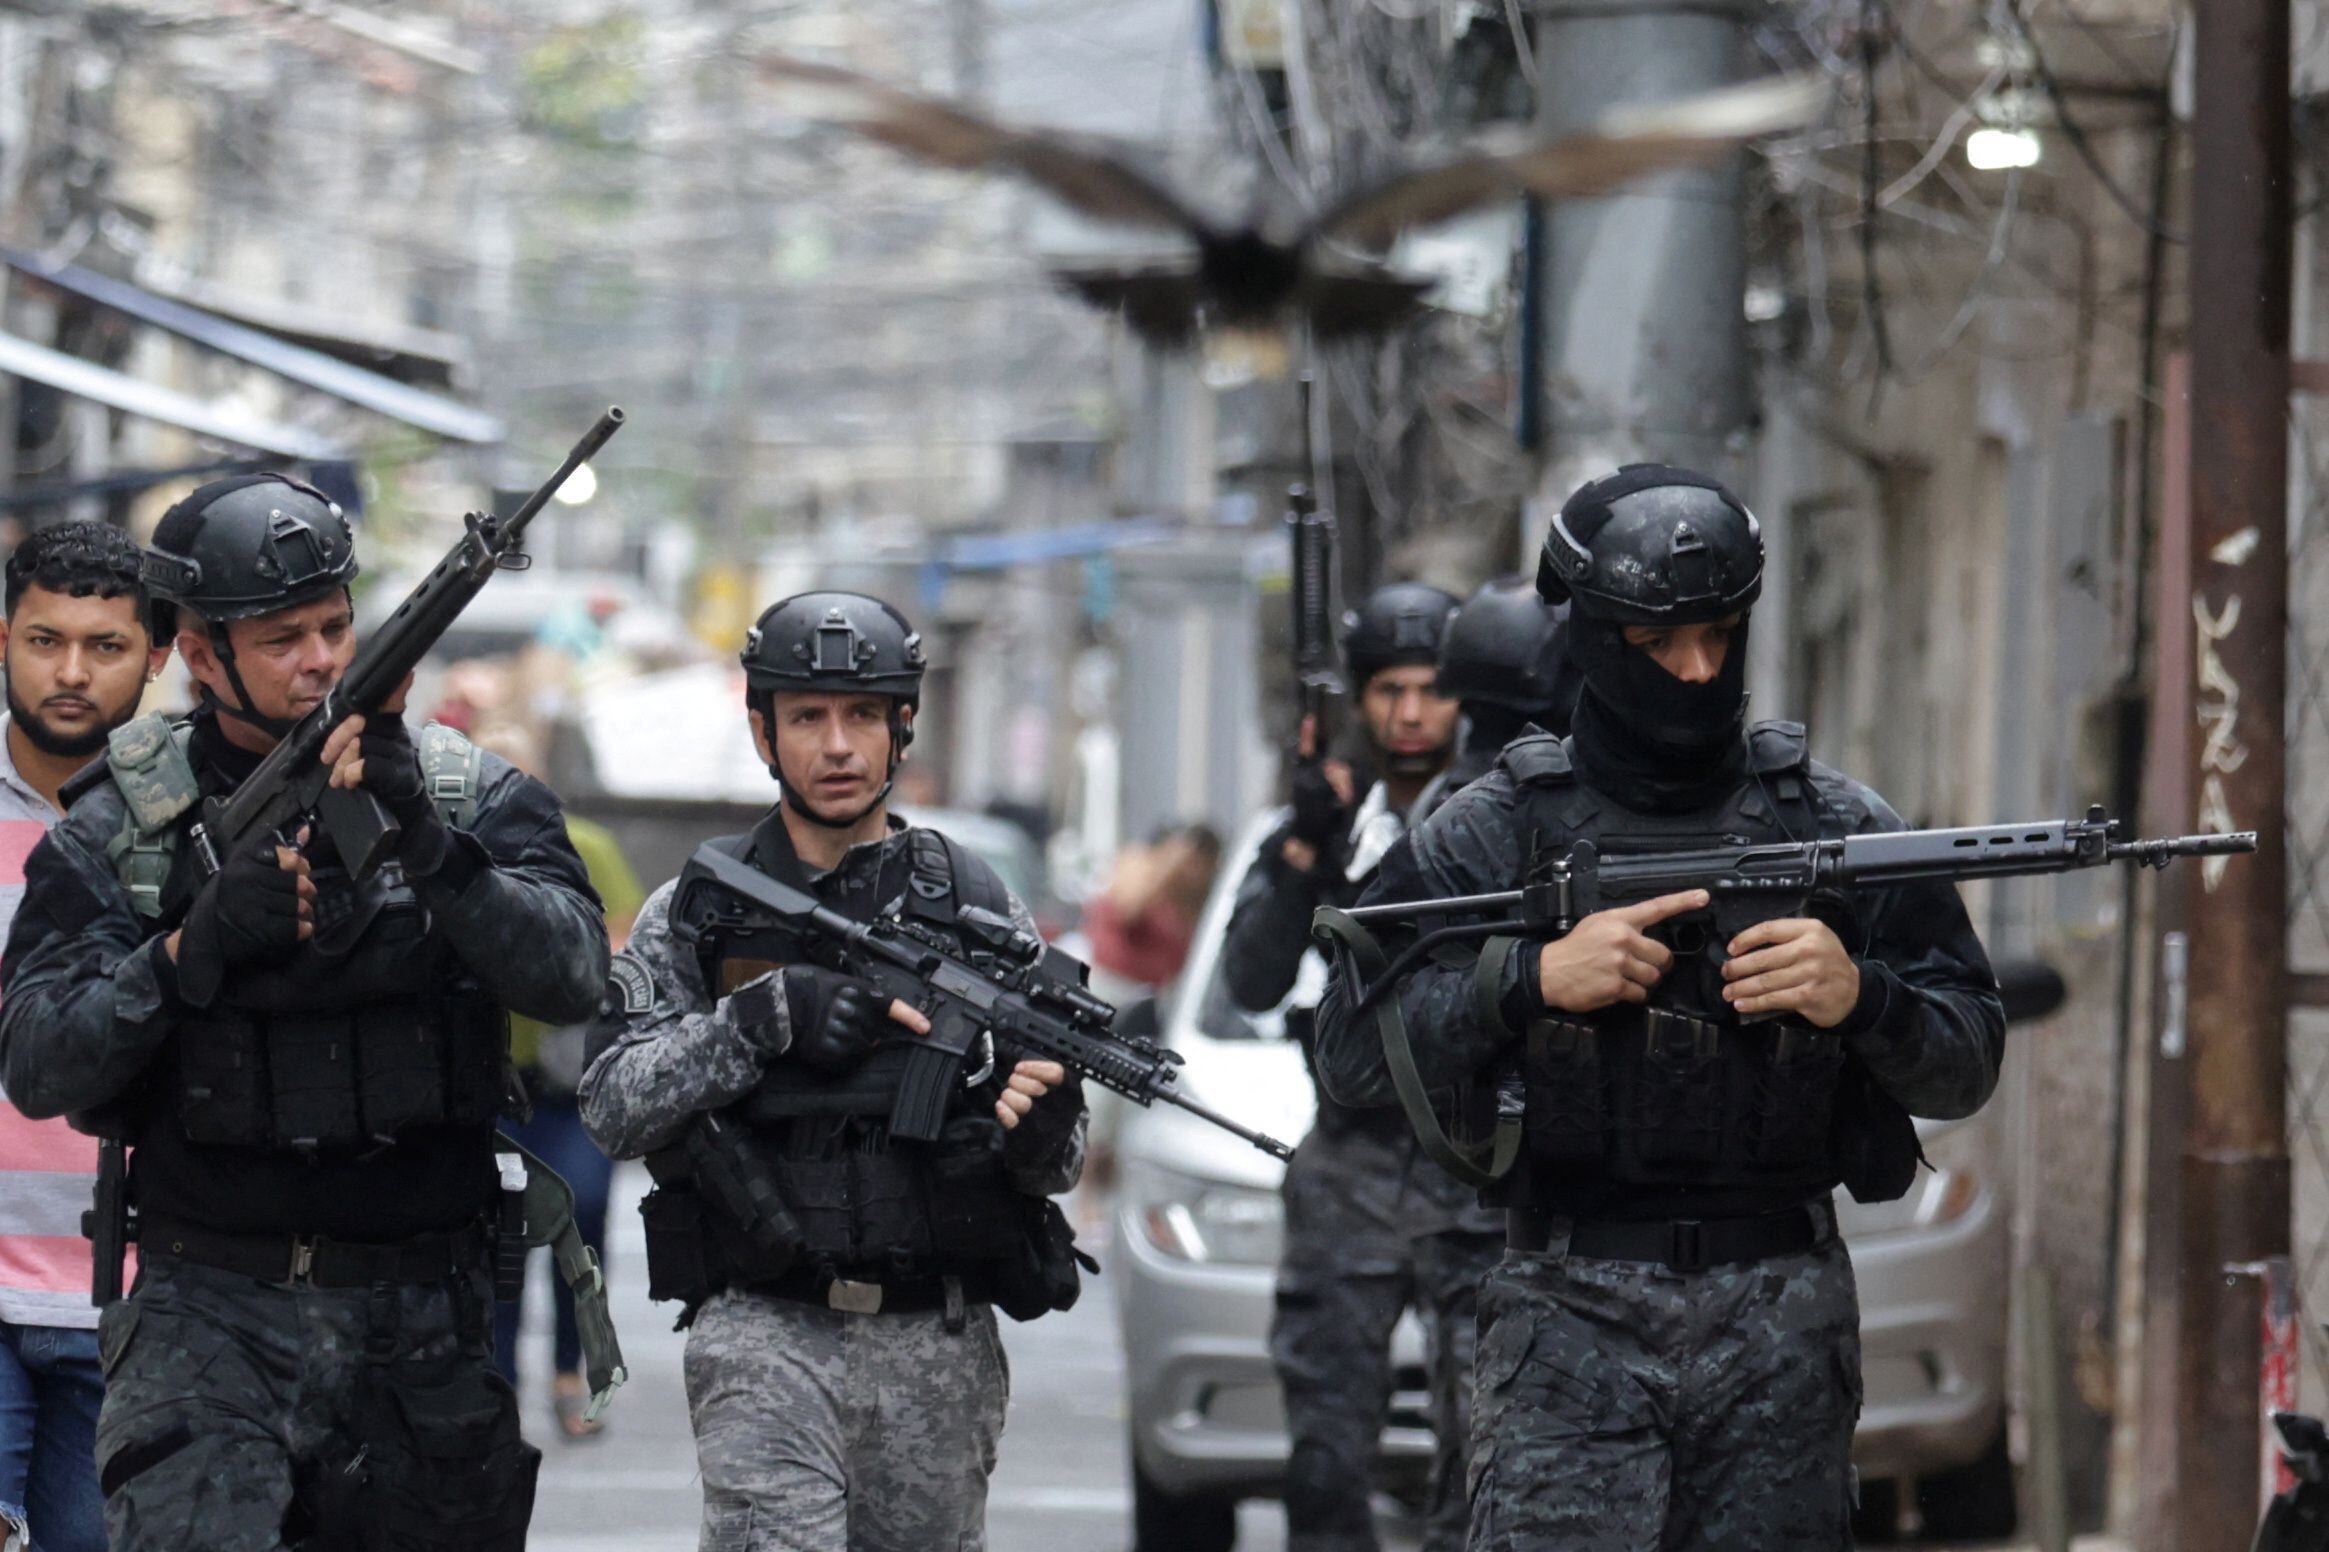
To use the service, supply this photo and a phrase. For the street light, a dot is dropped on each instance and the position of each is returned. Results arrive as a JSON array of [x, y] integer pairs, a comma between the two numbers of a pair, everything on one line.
[[580, 486], [1991, 149]]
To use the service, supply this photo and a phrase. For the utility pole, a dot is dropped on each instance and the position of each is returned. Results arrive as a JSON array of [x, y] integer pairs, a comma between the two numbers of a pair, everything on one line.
[[2235, 1166], [1644, 342]]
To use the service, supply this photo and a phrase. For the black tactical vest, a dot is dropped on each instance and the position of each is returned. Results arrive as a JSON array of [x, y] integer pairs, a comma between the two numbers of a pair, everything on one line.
[[852, 1202], [1681, 1093], [371, 1029]]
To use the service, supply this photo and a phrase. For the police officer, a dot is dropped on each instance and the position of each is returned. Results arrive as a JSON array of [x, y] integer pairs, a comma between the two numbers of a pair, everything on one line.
[[844, 1374], [306, 1068], [1506, 662], [1669, 1351], [1360, 1204]]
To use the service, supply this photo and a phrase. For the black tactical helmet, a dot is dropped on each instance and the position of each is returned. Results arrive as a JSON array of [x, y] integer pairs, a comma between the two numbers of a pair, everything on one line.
[[834, 641], [250, 545], [1505, 648], [1653, 545], [1398, 623]]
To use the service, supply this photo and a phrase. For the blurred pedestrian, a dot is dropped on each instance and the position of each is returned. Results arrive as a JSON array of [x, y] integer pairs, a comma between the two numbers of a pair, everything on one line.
[[549, 1062], [1142, 921], [1357, 1184], [80, 650]]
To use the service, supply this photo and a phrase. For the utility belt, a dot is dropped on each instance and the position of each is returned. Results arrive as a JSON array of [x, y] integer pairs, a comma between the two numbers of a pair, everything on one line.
[[1680, 1245], [315, 1260], [725, 1213], [859, 1296]]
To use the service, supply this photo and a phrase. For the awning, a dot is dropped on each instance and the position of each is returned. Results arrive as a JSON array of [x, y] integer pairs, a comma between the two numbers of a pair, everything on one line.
[[85, 378], [416, 407]]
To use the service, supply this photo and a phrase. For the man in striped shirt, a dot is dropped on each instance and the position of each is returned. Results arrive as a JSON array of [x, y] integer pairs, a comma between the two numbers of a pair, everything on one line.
[[80, 647]]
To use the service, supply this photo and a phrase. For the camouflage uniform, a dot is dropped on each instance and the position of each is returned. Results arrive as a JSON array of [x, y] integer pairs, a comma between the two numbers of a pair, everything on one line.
[[816, 1430], [1372, 1228], [1623, 1404], [225, 1397], [1623, 1407]]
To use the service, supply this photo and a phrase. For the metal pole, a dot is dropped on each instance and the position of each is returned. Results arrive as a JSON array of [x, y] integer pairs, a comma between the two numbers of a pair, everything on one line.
[[1644, 334], [2235, 1156]]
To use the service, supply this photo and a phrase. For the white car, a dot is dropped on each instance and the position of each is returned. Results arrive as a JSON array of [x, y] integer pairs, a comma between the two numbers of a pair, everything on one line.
[[1199, 1227]]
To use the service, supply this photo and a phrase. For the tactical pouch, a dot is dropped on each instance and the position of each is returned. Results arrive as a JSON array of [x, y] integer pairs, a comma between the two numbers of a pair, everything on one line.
[[222, 1081], [400, 1070], [825, 1200], [1044, 1274], [313, 1064], [445, 1464], [1791, 1115], [683, 1261], [1678, 1100], [975, 1217], [1876, 1146], [1568, 1096]]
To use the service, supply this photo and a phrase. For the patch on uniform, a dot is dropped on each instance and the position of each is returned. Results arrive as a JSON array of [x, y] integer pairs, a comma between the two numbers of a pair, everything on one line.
[[632, 982]]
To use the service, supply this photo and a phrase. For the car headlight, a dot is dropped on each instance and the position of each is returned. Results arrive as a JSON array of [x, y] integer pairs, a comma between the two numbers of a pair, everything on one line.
[[1205, 1221]]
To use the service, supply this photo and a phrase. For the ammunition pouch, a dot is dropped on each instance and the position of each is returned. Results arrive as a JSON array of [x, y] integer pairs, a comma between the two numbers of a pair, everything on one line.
[[340, 1079], [1662, 1098], [438, 1464]]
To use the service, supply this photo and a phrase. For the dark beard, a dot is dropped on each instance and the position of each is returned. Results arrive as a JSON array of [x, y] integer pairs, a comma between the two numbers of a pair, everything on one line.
[[49, 741]]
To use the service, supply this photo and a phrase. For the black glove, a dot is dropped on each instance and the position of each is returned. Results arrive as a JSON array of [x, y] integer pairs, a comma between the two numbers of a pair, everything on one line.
[[247, 916], [392, 774], [1321, 817], [837, 1019], [392, 768]]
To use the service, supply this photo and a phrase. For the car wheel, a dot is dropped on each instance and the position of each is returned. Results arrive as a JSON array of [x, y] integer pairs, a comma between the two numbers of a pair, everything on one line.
[[1179, 1522], [1973, 1502]]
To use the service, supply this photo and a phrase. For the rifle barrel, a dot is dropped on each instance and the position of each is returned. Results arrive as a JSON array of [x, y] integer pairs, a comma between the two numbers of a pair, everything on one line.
[[582, 453], [1456, 905]]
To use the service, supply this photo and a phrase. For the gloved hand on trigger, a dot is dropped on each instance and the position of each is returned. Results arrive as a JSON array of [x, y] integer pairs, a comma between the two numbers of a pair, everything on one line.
[[257, 911], [837, 1019]]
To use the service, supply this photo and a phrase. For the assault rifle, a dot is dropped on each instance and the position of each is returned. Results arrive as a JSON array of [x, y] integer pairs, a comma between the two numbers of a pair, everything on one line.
[[1311, 588], [1746, 884], [1027, 996], [292, 785]]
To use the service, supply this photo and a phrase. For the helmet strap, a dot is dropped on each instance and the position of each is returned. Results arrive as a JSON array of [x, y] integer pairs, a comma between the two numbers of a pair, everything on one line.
[[248, 712]]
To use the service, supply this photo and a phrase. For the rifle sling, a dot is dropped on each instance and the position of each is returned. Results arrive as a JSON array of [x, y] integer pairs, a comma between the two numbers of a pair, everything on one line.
[[1475, 1165]]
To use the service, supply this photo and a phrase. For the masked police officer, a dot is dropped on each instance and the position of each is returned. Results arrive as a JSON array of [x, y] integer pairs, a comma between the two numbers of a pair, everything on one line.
[[844, 1374], [1506, 664], [307, 1070], [1669, 1351], [1357, 1199]]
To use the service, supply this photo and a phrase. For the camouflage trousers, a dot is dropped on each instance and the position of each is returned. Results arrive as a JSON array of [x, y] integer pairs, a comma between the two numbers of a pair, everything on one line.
[[1624, 1407], [819, 1431], [1354, 1260], [243, 1416]]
